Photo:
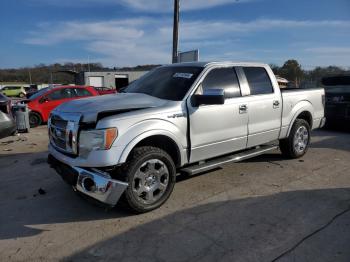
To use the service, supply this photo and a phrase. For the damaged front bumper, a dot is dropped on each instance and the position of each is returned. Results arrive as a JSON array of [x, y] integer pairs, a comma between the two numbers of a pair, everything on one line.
[[93, 183]]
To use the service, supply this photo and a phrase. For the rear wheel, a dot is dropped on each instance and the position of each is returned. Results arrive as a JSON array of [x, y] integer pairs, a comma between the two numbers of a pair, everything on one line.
[[21, 95], [34, 119], [297, 143], [151, 175]]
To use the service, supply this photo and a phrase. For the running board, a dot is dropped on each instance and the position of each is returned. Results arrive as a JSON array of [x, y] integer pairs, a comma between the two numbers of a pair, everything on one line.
[[214, 163]]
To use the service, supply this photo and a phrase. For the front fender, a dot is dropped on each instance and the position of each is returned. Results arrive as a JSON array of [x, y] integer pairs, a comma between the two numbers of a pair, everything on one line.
[[149, 133]]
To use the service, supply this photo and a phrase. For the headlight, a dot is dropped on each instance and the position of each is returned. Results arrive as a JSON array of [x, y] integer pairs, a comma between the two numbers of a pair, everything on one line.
[[99, 139]]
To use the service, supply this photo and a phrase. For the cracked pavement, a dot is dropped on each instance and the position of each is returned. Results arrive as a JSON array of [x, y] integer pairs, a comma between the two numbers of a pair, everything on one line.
[[258, 210]]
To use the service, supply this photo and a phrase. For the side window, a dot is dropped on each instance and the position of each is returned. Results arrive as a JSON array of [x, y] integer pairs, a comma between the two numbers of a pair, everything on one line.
[[223, 78], [80, 92], [258, 80], [55, 95], [67, 93], [61, 94]]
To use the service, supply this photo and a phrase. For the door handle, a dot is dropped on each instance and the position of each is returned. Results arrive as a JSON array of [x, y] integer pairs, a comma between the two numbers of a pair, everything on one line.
[[276, 104], [243, 109]]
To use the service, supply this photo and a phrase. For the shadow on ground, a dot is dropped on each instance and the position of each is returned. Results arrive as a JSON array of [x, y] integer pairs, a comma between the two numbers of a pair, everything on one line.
[[252, 229], [334, 139], [33, 194]]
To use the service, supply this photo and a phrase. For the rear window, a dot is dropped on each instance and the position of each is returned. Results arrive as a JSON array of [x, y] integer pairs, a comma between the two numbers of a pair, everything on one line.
[[258, 80]]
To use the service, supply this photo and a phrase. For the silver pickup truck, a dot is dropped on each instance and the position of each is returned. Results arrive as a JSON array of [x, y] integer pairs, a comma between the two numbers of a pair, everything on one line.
[[189, 117]]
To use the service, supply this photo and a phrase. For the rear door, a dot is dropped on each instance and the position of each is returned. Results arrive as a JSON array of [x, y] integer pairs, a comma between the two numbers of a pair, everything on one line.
[[218, 129], [264, 106]]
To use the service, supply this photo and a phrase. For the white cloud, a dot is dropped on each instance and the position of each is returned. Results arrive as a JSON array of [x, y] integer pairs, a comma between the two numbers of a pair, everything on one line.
[[185, 5], [146, 40], [153, 6]]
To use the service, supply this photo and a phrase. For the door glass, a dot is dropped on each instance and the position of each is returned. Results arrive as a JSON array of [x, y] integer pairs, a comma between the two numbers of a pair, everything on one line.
[[67, 93], [61, 94], [258, 80], [80, 92], [223, 78], [55, 95]]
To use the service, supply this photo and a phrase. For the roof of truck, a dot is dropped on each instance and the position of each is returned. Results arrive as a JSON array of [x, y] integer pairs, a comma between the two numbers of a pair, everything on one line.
[[209, 63]]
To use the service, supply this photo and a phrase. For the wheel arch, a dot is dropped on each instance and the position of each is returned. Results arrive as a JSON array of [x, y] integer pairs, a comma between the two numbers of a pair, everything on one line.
[[38, 113], [303, 110], [162, 139]]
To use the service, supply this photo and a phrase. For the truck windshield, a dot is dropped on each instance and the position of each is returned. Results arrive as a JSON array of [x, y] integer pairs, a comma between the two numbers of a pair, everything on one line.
[[170, 83]]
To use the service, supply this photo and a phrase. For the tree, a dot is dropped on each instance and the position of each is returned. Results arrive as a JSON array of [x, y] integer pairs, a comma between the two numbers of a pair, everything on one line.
[[292, 71]]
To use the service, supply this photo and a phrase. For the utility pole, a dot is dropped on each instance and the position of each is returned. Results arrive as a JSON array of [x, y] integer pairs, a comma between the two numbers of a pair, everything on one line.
[[176, 30], [30, 76], [89, 63]]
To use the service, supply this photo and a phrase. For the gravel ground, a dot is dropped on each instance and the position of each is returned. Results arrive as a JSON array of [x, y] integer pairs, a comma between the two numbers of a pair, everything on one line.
[[264, 209]]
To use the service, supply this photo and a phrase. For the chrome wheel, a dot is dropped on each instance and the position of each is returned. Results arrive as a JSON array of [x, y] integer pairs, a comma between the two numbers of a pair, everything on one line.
[[150, 181], [301, 139]]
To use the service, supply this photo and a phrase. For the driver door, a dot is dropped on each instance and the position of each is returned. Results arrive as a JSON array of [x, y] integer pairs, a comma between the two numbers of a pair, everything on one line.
[[218, 129]]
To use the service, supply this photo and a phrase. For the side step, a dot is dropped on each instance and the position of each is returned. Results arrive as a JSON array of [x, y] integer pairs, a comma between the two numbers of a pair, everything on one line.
[[214, 163]]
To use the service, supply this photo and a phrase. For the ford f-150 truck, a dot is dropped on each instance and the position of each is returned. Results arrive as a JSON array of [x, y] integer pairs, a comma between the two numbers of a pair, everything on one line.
[[187, 117]]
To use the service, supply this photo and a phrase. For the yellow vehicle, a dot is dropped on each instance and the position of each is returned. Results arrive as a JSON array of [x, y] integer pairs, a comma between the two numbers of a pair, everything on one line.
[[14, 91]]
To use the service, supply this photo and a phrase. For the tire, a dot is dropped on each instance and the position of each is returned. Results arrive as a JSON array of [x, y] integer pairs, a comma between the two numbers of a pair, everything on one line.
[[151, 175], [21, 95], [34, 119], [297, 143]]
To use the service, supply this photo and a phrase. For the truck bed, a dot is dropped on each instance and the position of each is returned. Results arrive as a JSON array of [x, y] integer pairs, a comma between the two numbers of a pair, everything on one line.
[[296, 98]]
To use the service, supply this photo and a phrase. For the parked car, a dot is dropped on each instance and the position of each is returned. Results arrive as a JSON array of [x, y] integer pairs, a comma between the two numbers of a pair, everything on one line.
[[14, 91], [189, 117], [31, 90], [105, 90], [337, 90], [7, 123], [45, 100]]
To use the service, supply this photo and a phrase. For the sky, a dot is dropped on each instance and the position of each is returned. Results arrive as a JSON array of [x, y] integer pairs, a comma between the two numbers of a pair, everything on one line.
[[131, 32]]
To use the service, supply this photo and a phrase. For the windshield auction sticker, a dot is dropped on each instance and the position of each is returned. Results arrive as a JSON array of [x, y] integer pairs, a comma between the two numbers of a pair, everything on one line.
[[183, 75]]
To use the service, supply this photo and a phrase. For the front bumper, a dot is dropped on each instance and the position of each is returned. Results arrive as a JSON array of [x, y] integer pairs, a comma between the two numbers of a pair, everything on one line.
[[93, 183]]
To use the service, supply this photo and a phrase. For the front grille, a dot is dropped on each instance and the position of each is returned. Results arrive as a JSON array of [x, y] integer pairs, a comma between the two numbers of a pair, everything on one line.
[[58, 121], [63, 131]]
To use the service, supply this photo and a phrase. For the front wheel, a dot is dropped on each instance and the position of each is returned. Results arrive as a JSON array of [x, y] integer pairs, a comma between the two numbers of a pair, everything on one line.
[[297, 143], [151, 175], [34, 119]]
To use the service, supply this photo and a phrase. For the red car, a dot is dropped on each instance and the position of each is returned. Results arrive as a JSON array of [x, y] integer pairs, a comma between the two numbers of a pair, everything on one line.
[[45, 100]]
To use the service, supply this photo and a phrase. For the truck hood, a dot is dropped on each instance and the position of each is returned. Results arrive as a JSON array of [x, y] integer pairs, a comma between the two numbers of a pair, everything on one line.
[[94, 108]]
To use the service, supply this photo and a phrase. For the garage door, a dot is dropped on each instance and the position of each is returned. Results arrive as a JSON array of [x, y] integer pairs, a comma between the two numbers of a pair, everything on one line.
[[96, 81]]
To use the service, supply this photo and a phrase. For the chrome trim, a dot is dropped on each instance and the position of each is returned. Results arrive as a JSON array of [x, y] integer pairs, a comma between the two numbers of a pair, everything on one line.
[[71, 130], [102, 187], [211, 164]]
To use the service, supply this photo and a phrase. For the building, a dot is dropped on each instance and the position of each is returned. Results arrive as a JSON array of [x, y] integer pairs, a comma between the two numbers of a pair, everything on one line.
[[112, 79]]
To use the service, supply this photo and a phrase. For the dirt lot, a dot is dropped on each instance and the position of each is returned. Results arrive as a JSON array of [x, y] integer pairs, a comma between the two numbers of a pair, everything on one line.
[[264, 209]]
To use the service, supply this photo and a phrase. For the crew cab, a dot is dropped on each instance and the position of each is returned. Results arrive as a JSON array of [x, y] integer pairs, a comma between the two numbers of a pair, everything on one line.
[[45, 100], [186, 117]]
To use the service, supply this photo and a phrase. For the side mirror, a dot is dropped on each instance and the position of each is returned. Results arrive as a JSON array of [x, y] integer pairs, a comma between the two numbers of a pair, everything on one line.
[[43, 100], [209, 97]]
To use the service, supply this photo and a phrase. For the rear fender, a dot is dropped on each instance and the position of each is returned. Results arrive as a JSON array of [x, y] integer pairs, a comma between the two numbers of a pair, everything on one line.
[[300, 107]]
